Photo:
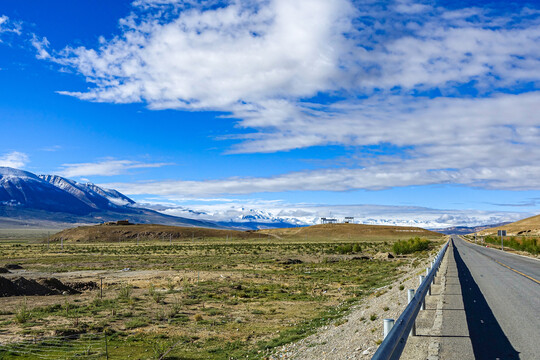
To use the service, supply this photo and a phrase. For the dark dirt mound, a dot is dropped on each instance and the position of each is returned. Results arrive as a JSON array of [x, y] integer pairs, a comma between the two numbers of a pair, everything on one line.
[[83, 285], [4, 270], [7, 288], [13, 267], [32, 287], [55, 284], [24, 287]]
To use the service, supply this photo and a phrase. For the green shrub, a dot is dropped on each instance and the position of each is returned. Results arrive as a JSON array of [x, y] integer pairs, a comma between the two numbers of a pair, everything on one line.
[[22, 314], [410, 246]]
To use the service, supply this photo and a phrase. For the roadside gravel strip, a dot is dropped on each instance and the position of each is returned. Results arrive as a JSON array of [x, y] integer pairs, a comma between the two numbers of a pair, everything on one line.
[[357, 336]]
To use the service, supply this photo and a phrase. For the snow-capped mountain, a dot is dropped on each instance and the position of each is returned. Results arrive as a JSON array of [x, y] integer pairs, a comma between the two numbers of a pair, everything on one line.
[[55, 193], [24, 189], [30, 200], [236, 217]]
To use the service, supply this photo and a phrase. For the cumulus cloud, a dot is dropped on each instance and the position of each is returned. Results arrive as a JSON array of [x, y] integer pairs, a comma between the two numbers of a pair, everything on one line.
[[216, 58], [192, 56], [453, 90], [108, 167], [14, 159]]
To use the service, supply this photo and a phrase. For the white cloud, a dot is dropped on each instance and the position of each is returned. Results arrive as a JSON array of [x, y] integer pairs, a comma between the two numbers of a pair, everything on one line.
[[3, 20], [14, 159], [406, 61], [41, 46], [105, 168], [373, 178], [52, 148], [204, 57], [215, 58], [490, 143], [9, 26]]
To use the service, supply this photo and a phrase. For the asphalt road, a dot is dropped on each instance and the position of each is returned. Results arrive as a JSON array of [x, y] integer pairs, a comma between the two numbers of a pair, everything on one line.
[[502, 306]]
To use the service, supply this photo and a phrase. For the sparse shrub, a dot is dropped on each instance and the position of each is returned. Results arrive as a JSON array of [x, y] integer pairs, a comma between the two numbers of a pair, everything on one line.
[[125, 292], [22, 314], [373, 317], [401, 287], [198, 317], [157, 296], [159, 348], [170, 285], [136, 323]]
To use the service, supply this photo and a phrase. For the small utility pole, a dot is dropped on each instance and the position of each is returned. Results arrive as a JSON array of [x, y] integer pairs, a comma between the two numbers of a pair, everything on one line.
[[502, 234]]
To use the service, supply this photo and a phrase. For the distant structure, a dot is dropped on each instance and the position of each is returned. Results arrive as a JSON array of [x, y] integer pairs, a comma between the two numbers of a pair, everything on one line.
[[328, 220], [349, 219], [119, 222]]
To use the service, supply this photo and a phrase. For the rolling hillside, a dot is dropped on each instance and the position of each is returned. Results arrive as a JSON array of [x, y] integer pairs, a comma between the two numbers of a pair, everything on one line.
[[526, 227], [352, 231]]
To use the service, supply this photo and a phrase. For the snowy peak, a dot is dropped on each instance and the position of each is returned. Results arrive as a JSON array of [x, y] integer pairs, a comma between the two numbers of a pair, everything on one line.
[[90, 194], [115, 197], [7, 172]]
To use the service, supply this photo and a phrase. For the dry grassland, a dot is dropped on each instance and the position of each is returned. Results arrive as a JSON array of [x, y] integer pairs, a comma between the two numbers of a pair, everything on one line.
[[207, 294]]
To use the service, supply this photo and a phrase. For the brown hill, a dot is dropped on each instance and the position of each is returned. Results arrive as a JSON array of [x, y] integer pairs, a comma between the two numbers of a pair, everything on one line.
[[145, 232], [121, 233], [352, 231], [526, 227]]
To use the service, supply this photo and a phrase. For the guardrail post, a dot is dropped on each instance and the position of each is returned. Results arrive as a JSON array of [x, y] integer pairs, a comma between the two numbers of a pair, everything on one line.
[[429, 287], [410, 296], [420, 281], [387, 326]]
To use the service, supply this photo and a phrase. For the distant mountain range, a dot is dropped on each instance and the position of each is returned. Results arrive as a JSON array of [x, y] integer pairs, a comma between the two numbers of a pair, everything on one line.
[[28, 200], [463, 230], [51, 201]]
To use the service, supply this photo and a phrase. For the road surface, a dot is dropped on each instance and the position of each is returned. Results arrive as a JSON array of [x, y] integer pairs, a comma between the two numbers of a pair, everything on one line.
[[501, 299]]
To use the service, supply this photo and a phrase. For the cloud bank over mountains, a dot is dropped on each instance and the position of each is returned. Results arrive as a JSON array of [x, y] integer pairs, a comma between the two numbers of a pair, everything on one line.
[[310, 214]]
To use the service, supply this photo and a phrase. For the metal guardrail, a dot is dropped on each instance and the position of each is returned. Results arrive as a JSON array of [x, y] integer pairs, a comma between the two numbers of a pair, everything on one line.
[[394, 342]]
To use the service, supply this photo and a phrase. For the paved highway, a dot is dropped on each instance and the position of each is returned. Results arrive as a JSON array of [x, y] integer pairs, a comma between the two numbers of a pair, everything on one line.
[[501, 298]]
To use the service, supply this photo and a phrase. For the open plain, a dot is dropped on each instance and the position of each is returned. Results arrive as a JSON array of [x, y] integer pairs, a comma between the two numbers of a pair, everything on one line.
[[202, 297]]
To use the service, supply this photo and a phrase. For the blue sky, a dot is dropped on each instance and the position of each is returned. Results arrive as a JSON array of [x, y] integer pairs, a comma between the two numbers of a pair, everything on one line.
[[331, 107]]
